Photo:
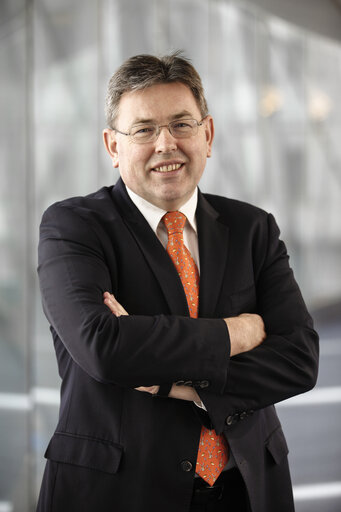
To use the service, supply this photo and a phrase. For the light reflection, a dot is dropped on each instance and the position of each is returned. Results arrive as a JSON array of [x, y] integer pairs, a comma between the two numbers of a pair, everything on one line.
[[319, 105], [271, 101]]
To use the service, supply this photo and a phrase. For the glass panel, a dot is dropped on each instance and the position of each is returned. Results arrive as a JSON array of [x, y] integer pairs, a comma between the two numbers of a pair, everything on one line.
[[14, 341], [66, 141]]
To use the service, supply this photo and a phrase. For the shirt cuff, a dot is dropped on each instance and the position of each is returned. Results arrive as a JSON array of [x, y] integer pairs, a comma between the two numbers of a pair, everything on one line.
[[200, 405]]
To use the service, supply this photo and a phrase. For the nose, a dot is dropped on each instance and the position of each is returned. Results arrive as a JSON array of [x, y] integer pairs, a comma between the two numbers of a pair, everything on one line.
[[165, 141]]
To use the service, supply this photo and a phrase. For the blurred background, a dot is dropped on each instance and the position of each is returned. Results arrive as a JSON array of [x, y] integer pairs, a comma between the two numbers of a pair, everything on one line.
[[272, 74]]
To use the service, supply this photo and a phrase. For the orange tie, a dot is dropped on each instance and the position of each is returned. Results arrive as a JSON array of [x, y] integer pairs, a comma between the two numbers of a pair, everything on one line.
[[213, 451]]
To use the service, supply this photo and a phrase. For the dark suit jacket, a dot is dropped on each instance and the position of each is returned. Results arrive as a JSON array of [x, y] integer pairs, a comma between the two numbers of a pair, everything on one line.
[[119, 449]]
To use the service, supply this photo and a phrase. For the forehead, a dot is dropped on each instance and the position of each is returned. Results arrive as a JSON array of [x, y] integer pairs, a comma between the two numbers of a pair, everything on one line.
[[161, 102]]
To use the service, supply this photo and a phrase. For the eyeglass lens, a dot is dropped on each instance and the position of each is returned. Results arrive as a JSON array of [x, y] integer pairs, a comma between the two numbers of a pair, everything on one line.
[[179, 128]]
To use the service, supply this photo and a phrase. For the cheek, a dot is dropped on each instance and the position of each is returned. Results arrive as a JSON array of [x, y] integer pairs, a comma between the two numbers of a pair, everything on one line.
[[125, 156], [199, 155], [132, 162]]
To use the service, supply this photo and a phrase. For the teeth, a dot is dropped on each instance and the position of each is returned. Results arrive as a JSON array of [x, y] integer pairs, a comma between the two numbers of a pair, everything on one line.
[[168, 168]]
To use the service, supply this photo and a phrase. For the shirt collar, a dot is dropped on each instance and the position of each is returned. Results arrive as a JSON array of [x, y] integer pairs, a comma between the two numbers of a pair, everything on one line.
[[153, 214]]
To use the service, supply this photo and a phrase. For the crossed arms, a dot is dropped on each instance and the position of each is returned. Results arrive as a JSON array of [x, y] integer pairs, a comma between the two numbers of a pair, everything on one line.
[[142, 350], [246, 332]]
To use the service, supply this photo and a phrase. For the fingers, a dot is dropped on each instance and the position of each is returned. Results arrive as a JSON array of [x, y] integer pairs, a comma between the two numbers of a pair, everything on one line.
[[179, 392], [149, 389], [115, 307], [184, 393]]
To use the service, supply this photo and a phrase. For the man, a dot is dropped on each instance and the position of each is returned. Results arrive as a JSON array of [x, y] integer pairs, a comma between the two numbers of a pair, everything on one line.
[[168, 381]]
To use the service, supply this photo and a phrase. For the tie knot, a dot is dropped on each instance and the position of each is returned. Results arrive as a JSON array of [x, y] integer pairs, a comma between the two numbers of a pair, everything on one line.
[[174, 222]]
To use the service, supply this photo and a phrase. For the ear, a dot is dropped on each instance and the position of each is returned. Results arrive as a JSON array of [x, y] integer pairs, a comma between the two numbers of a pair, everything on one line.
[[110, 143], [209, 132]]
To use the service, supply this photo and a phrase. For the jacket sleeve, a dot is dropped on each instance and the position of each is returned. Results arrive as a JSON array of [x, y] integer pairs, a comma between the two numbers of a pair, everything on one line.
[[286, 363], [133, 350]]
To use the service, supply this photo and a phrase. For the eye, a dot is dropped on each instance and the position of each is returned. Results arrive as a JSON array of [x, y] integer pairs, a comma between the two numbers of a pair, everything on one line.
[[145, 130], [182, 124], [142, 130]]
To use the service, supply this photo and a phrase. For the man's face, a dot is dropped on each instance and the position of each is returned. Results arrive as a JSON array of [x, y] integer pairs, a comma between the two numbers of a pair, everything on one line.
[[142, 166]]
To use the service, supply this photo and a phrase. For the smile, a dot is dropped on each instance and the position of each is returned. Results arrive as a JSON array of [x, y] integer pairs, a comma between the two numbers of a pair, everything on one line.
[[167, 168]]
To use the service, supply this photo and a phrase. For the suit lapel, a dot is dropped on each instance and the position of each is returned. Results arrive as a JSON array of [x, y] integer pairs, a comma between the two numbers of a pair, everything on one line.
[[154, 253], [213, 239]]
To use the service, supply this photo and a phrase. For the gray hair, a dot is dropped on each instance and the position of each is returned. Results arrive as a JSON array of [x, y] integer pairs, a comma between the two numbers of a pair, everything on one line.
[[142, 71]]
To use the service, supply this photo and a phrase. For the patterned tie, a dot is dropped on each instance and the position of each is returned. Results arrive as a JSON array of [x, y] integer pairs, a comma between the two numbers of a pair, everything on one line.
[[213, 450]]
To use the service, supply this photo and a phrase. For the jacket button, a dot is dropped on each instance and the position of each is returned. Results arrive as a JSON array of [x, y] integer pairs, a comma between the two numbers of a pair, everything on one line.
[[186, 465], [180, 383], [204, 384], [229, 420], [188, 383]]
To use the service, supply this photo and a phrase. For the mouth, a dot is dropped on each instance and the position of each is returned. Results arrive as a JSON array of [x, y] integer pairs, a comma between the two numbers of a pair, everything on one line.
[[167, 168]]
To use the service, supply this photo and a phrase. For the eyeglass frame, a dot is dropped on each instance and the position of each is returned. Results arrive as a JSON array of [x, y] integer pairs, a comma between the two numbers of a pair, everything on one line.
[[158, 131]]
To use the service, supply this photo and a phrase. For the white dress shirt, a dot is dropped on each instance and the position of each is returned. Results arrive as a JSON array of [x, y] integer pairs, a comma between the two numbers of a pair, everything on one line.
[[153, 215]]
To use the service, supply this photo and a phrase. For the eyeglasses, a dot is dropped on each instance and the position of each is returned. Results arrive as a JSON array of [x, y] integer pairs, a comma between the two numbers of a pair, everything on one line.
[[148, 132]]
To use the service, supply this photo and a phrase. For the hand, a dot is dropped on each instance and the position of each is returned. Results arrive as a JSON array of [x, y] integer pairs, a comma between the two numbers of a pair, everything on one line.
[[184, 393], [179, 392], [246, 332], [149, 389], [114, 306]]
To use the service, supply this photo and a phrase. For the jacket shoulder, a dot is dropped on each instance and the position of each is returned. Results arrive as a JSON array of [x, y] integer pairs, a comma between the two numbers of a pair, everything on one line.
[[96, 201], [85, 219]]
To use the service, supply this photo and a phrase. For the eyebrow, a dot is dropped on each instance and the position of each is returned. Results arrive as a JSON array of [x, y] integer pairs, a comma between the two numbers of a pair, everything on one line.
[[183, 113]]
